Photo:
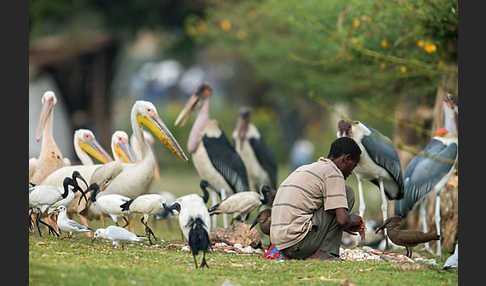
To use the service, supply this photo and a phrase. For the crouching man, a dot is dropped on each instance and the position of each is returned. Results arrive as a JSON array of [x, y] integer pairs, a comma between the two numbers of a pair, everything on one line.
[[311, 208]]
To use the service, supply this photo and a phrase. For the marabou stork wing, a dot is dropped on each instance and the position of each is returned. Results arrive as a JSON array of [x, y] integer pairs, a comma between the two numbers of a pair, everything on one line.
[[424, 172], [227, 162], [266, 159], [382, 152]]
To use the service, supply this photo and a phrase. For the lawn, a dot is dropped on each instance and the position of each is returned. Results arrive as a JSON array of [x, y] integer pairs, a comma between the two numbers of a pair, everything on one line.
[[79, 261]]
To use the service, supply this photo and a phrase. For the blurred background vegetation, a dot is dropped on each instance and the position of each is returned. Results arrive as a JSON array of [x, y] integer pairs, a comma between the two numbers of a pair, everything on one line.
[[299, 65]]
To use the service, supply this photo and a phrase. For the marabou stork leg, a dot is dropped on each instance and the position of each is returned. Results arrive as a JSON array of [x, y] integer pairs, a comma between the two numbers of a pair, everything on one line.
[[195, 261], [225, 216], [437, 222], [214, 217], [424, 223], [384, 210], [408, 251], [362, 205]]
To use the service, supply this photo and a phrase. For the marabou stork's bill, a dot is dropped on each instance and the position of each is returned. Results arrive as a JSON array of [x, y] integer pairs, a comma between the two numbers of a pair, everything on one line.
[[258, 157], [429, 171], [379, 163], [194, 223], [213, 156]]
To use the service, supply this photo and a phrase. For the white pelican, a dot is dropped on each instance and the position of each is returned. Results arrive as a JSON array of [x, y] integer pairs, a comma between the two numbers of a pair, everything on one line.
[[50, 157], [213, 156], [120, 147], [194, 223], [86, 145], [138, 152], [135, 178], [68, 225]]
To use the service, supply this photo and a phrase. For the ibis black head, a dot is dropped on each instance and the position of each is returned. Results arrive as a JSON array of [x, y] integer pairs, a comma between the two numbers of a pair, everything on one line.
[[204, 184], [175, 206], [266, 194], [95, 188]]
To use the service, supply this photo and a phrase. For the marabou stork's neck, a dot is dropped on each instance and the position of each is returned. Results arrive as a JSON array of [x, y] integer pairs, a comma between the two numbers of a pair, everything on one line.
[[198, 126], [450, 119]]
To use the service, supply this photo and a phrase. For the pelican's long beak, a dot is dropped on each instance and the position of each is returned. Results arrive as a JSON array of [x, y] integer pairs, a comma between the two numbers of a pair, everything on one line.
[[93, 148], [124, 151], [187, 110], [155, 124], [45, 115]]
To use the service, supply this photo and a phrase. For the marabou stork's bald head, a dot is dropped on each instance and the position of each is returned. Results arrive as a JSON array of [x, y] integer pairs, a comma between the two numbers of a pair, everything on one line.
[[344, 128], [243, 123], [451, 102], [202, 93]]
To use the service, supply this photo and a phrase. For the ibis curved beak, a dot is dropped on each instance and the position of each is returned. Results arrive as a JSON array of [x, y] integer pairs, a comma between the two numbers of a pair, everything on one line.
[[187, 110], [125, 152], [254, 223], [93, 148], [45, 115], [155, 124]]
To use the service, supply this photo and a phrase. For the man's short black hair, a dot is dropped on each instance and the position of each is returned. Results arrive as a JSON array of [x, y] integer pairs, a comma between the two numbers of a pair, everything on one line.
[[344, 145]]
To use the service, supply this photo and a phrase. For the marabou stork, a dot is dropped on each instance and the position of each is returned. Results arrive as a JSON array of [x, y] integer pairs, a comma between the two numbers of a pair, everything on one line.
[[379, 163], [430, 170], [258, 157], [213, 156]]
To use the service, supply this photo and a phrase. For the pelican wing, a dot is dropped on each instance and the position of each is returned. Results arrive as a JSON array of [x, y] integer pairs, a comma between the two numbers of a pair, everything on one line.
[[226, 160], [424, 172], [382, 152], [266, 159]]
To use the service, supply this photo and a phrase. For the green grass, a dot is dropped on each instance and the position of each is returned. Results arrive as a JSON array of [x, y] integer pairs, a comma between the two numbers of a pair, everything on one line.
[[79, 261]]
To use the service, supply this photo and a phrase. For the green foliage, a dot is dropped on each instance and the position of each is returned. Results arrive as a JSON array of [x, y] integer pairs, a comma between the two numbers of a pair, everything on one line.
[[340, 49]]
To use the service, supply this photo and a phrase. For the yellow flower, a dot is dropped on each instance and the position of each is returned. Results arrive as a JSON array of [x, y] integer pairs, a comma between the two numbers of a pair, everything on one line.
[[225, 25], [420, 43], [382, 66], [430, 48], [202, 28], [191, 31], [441, 63], [349, 58], [356, 23], [403, 69], [241, 35], [384, 43]]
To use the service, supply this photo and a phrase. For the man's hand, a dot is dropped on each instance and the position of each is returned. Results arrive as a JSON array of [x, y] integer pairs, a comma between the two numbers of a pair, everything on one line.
[[359, 226]]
